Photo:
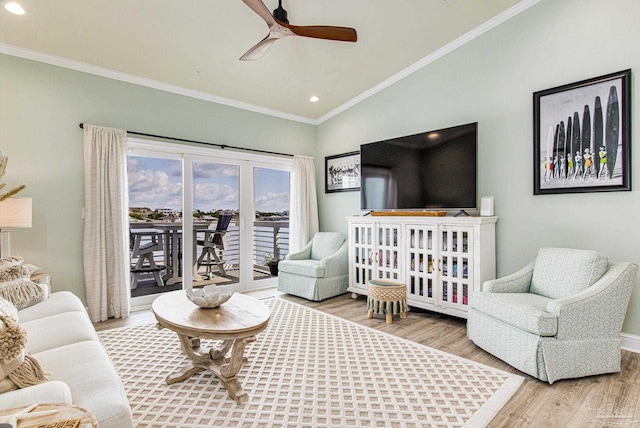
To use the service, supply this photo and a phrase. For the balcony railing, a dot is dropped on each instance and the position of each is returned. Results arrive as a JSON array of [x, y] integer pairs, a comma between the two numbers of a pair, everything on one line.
[[271, 239]]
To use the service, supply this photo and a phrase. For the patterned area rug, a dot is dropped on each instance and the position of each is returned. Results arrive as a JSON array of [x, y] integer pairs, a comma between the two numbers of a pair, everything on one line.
[[310, 369]]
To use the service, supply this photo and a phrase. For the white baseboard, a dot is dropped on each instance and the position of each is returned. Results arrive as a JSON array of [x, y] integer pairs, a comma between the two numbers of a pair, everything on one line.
[[630, 342]]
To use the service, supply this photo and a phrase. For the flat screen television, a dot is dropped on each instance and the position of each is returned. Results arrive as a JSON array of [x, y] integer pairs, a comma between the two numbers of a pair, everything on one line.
[[433, 170]]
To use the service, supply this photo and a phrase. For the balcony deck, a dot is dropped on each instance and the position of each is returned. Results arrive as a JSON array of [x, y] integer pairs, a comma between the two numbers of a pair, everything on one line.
[[271, 239]]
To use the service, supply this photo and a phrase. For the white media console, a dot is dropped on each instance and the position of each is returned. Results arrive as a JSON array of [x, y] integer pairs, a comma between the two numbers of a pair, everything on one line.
[[440, 259]]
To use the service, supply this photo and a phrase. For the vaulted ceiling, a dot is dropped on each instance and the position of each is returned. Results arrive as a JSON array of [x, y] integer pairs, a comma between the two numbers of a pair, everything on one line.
[[193, 46]]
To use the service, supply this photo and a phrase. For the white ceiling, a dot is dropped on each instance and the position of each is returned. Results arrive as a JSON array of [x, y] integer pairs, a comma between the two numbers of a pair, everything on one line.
[[193, 46]]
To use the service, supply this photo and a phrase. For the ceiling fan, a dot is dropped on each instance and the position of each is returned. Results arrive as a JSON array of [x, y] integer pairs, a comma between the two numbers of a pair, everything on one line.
[[279, 28]]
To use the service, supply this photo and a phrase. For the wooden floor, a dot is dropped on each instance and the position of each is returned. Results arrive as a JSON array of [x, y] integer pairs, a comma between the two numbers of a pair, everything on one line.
[[611, 400]]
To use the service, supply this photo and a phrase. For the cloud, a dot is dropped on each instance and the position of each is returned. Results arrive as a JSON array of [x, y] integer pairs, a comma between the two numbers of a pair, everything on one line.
[[212, 170], [175, 169], [151, 188], [231, 172], [272, 202], [212, 196], [159, 186]]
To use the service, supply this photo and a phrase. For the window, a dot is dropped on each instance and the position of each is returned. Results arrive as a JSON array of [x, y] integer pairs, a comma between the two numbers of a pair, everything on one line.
[[167, 180]]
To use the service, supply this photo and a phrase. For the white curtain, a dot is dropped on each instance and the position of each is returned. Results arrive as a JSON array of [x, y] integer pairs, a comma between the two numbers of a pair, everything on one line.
[[303, 221], [106, 242]]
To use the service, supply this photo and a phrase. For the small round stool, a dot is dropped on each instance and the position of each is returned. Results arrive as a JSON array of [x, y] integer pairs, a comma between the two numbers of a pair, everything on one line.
[[387, 298]]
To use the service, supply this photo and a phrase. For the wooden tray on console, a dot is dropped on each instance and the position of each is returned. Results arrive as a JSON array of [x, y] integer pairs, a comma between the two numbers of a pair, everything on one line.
[[410, 213]]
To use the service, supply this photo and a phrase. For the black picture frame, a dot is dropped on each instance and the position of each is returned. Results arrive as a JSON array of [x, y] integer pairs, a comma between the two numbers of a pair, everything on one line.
[[342, 172], [592, 115]]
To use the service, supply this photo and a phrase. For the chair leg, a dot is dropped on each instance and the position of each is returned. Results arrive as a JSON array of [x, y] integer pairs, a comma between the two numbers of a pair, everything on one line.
[[207, 252], [140, 265], [134, 280], [156, 274], [158, 278], [209, 264], [202, 256], [206, 260], [219, 262]]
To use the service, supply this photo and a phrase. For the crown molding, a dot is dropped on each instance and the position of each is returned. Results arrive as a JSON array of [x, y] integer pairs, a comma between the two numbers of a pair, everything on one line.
[[460, 41], [154, 84], [141, 81]]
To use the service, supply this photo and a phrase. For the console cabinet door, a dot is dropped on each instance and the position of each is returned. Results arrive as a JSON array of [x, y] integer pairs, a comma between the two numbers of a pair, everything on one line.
[[456, 265], [361, 254], [389, 252], [422, 262], [375, 253]]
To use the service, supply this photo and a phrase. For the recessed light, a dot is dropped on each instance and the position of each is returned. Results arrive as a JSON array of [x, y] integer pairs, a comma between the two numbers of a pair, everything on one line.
[[14, 8], [433, 135], [314, 98]]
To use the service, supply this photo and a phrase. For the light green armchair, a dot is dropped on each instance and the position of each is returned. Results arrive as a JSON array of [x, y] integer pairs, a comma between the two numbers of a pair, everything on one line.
[[319, 270], [560, 317]]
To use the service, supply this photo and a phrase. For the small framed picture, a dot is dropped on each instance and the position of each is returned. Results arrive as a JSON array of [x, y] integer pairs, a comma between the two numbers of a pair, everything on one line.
[[582, 136], [342, 172]]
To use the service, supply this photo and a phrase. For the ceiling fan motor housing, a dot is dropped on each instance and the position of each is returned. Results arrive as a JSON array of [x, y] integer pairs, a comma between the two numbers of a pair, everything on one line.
[[280, 14]]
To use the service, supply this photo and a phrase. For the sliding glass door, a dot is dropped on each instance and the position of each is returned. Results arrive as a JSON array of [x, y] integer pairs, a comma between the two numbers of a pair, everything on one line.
[[216, 217], [155, 213], [271, 224], [239, 205]]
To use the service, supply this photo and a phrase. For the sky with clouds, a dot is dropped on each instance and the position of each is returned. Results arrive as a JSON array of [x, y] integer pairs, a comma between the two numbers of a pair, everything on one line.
[[157, 183]]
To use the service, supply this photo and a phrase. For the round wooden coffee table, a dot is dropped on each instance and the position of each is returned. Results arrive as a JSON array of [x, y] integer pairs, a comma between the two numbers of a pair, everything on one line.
[[234, 323]]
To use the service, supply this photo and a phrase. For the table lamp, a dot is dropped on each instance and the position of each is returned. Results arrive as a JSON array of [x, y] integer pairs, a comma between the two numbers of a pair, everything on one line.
[[14, 213]]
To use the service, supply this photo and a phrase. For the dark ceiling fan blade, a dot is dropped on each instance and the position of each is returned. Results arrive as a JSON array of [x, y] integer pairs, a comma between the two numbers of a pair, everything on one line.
[[258, 7], [259, 49], [343, 34]]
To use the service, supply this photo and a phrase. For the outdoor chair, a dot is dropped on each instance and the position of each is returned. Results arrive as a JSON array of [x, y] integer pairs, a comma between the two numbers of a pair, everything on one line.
[[319, 270], [560, 317], [143, 251], [211, 244]]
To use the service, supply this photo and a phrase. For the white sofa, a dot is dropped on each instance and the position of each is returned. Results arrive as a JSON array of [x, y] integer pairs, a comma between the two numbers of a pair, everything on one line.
[[62, 338]]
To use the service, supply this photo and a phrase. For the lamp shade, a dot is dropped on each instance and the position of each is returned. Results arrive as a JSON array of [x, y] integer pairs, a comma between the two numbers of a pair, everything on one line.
[[15, 212]]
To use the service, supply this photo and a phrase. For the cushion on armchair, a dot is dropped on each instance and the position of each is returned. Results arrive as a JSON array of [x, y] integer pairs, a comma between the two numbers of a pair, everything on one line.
[[311, 268], [562, 272], [526, 311], [326, 244]]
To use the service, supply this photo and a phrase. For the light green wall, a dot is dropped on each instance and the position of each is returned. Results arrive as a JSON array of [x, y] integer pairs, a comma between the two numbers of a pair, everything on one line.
[[40, 109], [491, 80]]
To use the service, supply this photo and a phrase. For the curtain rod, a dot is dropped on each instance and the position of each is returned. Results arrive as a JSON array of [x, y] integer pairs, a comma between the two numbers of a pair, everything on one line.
[[222, 146]]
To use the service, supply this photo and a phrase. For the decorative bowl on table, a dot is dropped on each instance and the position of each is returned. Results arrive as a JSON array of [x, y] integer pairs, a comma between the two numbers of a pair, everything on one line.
[[210, 296]]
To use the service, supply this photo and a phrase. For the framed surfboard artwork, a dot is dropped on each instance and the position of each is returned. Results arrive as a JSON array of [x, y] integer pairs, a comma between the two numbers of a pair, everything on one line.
[[582, 136]]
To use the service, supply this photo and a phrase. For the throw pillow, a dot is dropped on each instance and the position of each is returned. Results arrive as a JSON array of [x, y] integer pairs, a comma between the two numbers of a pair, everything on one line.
[[16, 287], [7, 262], [32, 268], [8, 308], [18, 368]]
